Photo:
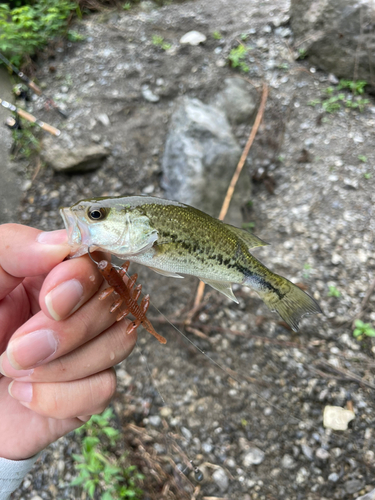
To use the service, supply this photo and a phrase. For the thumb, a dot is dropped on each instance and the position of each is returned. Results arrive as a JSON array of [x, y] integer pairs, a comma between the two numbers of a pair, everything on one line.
[[26, 251]]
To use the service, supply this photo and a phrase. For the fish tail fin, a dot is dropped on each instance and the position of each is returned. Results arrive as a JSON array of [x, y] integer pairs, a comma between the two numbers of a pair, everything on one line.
[[287, 299]]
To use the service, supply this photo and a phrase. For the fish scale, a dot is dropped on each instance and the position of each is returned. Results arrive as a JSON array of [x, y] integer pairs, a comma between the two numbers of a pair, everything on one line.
[[173, 239]]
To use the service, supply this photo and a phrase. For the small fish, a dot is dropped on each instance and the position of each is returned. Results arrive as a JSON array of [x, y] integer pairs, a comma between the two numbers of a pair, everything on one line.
[[173, 239]]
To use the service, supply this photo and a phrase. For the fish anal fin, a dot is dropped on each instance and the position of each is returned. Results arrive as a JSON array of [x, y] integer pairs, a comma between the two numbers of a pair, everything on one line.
[[223, 287], [250, 240], [170, 274]]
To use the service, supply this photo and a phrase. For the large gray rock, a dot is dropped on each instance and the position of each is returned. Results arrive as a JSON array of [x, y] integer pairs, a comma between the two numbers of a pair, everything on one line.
[[77, 159], [338, 36], [238, 100], [200, 156], [10, 191]]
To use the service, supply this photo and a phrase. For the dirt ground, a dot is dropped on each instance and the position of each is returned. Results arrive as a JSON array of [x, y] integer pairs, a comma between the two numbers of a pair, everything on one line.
[[313, 185]]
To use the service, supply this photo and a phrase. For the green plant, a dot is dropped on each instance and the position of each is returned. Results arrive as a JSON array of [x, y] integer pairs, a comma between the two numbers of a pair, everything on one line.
[[236, 58], [307, 269], [101, 472], [159, 42], [217, 35], [302, 53], [335, 100], [362, 158], [367, 175], [25, 141], [127, 6], [249, 226], [356, 87], [26, 29], [333, 291], [74, 36], [363, 329]]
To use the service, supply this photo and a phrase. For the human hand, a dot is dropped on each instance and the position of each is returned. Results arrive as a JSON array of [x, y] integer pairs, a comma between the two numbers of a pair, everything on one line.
[[58, 342]]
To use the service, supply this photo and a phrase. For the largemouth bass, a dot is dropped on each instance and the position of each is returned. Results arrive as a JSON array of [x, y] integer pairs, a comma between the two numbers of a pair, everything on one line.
[[173, 239]]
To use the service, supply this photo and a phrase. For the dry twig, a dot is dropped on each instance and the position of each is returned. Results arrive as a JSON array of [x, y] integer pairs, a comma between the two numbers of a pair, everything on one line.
[[233, 182]]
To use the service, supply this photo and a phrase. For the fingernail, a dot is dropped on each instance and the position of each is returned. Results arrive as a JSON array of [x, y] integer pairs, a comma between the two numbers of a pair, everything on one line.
[[22, 391], [8, 371], [64, 299], [53, 237], [31, 349]]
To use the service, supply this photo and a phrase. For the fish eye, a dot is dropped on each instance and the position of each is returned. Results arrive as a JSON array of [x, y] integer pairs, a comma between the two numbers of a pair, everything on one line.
[[96, 213]]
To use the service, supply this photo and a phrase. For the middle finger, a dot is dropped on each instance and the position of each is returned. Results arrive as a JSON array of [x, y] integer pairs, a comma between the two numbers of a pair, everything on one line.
[[41, 339]]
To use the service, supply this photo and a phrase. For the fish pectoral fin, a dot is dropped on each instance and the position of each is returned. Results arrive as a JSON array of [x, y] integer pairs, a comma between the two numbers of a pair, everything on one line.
[[250, 240], [222, 286], [166, 273]]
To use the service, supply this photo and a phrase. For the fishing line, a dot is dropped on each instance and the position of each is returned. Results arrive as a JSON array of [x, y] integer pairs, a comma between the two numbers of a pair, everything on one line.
[[328, 433]]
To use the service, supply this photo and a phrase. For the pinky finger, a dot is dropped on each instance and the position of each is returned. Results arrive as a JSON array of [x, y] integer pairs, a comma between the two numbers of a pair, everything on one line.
[[65, 400]]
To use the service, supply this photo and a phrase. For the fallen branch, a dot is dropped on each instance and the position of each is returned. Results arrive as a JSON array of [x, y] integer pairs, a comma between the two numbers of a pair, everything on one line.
[[236, 175]]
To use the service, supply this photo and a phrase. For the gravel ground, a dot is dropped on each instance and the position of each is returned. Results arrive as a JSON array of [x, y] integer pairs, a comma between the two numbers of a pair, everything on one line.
[[256, 431]]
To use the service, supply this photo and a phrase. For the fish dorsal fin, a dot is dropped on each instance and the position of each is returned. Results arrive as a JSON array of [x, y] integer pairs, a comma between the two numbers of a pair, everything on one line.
[[166, 273], [223, 287], [250, 240]]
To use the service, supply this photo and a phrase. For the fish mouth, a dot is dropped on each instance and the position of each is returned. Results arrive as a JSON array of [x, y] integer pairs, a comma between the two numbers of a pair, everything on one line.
[[70, 226], [78, 234]]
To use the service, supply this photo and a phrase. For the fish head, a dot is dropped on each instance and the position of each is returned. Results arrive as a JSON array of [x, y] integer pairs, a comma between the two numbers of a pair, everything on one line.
[[113, 225]]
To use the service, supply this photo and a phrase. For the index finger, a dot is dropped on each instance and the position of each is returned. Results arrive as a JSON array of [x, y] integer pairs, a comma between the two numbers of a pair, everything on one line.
[[26, 251]]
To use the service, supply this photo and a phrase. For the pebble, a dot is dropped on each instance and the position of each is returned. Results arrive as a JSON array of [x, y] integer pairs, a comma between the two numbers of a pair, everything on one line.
[[193, 38], [307, 451], [26, 185], [288, 462], [302, 475], [369, 496], [221, 479], [353, 485], [103, 119], [337, 418], [166, 411], [155, 420], [149, 95], [254, 456], [322, 454], [186, 433], [333, 477]]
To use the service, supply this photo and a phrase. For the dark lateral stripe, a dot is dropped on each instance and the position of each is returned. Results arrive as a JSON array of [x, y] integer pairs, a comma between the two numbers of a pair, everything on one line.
[[262, 282]]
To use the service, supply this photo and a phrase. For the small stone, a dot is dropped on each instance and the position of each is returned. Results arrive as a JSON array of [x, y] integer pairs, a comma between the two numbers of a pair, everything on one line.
[[353, 485], [337, 418], [369, 496], [78, 159], [334, 477], [302, 475], [186, 433], [307, 451], [103, 119], [26, 185], [166, 411], [322, 454], [193, 38], [336, 259], [351, 183], [148, 189], [155, 420], [149, 95], [221, 479], [254, 456], [287, 462], [333, 79], [64, 89]]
